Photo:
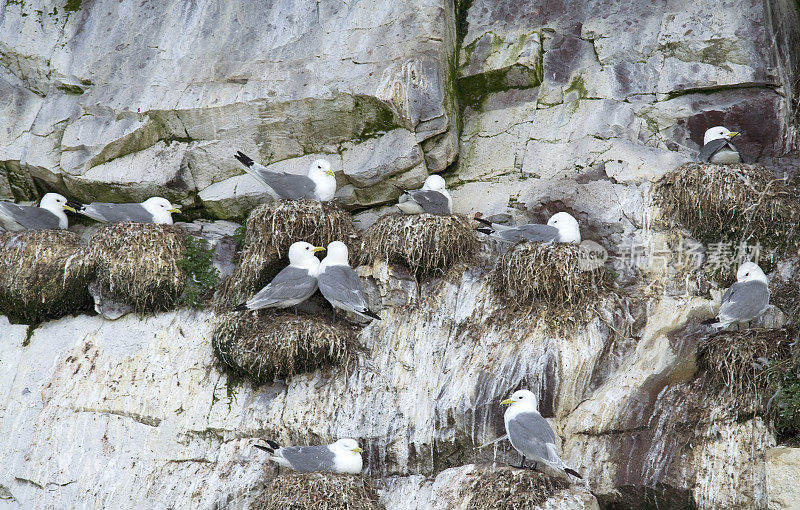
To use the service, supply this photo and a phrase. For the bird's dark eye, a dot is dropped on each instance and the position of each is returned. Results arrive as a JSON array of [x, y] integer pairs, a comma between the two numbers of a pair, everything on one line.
[[747, 274]]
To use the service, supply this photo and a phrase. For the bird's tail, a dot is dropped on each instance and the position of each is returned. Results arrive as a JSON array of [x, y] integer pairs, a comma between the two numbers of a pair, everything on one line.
[[572, 472], [485, 230], [270, 448], [485, 222], [240, 308], [712, 320], [244, 159], [369, 313], [402, 190], [76, 205]]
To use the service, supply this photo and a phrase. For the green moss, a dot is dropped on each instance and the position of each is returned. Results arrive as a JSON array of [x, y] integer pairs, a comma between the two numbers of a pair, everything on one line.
[[718, 52], [578, 86], [784, 384], [72, 6], [201, 275]]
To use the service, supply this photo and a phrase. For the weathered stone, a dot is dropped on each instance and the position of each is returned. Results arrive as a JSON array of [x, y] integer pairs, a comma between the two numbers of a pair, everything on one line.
[[783, 464], [370, 162]]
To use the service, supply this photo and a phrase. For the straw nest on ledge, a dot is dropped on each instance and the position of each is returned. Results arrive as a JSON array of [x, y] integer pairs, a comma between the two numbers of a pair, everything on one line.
[[329, 491], [424, 243], [265, 345], [508, 488], [270, 230], [44, 274]]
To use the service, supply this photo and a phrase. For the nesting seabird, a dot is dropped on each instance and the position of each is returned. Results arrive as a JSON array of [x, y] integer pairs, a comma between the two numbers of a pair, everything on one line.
[[340, 284], [562, 227], [432, 198], [293, 285], [48, 215], [343, 456], [718, 148], [152, 210], [318, 184], [530, 434], [746, 299]]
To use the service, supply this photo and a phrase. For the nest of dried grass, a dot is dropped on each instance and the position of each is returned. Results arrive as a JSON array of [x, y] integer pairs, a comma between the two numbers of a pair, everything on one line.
[[138, 264], [271, 229], [44, 274], [318, 491], [265, 345], [740, 203], [552, 274], [508, 488], [424, 243]]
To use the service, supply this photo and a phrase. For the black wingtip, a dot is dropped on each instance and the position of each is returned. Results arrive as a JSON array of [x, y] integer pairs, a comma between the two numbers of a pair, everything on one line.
[[370, 313], [243, 159], [710, 321], [573, 473], [485, 222], [240, 308], [484, 230], [272, 444], [265, 448], [75, 205], [402, 190]]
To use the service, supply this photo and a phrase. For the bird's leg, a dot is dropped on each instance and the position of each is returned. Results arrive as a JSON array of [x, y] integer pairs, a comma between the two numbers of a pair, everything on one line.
[[522, 462], [295, 310], [334, 314], [535, 465]]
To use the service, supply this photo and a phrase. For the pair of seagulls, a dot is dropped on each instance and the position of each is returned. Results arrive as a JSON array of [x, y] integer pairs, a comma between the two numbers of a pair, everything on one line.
[[295, 283], [50, 214]]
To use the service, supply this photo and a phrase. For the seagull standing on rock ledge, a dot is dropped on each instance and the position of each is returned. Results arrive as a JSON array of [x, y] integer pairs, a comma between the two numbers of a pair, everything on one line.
[[340, 284], [318, 184], [432, 198], [717, 147]]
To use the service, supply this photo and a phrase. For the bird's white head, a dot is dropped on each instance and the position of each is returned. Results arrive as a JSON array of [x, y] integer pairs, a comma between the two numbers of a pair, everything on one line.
[[324, 179], [320, 166], [301, 254], [434, 182], [338, 254], [568, 228], [749, 271], [348, 445], [717, 132], [56, 204], [161, 209], [522, 399]]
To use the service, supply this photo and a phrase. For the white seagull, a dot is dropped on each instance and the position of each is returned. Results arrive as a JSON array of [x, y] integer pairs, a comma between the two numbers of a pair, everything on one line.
[[318, 184], [293, 285], [343, 456], [432, 198], [152, 210], [49, 215], [340, 284], [562, 227], [717, 147], [746, 299], [530, 434]]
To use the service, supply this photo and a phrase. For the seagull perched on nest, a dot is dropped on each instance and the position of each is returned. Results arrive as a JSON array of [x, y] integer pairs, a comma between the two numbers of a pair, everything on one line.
[[343, 456], [293, 285], [717, 147], [318, 184], [560, 228], [340, 284], [152, 210], [745, 300], [432, 198], [49, 215], [530, 434]]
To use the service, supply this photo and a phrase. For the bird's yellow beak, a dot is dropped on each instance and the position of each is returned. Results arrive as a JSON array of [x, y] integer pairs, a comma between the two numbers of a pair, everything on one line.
[[174, 210], [506, 402], [329, 172], [319, 248], [357, 450], [69, 208], [734, 133]]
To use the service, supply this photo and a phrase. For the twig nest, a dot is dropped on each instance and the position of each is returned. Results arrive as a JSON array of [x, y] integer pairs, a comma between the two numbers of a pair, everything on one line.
[[138, 264], [331, 491], [265, 345], [44, 274], [271, 229], [739, 203], [425, 243], [560, 275], [508, 488]]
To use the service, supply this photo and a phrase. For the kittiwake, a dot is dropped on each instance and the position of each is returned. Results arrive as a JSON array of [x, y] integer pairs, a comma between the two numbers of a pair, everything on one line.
[[530, 434], [49, 215], [340, 284], [293, 285], [152, 210], [560, 228], [717, 147], [746, 299], [343, 456], [432, 198], [318, 184]]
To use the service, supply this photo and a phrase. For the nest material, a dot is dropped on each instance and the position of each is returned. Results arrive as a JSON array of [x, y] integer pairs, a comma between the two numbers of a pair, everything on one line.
[[424, 243], [138, 264], [552, 274], [44, 274], [739, 203], [264, 345], [508, 488], [271, 230], [318, 491]]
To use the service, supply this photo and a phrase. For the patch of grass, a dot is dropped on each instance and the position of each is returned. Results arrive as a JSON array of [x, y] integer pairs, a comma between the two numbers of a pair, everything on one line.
[[328, 491], [508, 488], [201, 275], [427, 244]]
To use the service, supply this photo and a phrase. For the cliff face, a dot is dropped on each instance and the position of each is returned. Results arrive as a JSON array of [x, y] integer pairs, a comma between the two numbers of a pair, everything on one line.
[[528, 106]]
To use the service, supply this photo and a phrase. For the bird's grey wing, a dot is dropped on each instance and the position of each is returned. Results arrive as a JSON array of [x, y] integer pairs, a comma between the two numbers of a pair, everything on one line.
[[530, 433], [290, 283], [431, 201], [116, 213], [744, 300], [341, 284], [711, 148], [285, 185], [531, 232], [309, 458], [29, 217]]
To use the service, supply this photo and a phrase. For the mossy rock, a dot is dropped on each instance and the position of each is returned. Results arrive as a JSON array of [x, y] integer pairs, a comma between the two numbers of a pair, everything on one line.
[[271, 229], [44, 274], [427, 244], [508, 488], [264, 345], [139, 264], [328, 491]]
